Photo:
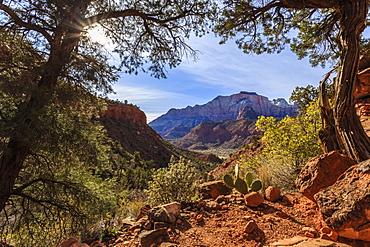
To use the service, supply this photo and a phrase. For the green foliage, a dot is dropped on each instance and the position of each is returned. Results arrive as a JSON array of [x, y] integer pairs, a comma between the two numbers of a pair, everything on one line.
[[289, 143], [50, 75], [268, 27], [294, 137], [302, 96], [229, 180], [243, 186], [177, 182]]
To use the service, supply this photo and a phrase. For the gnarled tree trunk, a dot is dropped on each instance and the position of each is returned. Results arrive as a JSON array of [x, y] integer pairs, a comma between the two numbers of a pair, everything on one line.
[[350, 135]]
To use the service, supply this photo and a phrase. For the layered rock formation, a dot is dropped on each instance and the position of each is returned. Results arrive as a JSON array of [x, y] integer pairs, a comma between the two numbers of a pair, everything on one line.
[[121, 111], [226, 134], [177, 123], [127, 124], [345, 205]]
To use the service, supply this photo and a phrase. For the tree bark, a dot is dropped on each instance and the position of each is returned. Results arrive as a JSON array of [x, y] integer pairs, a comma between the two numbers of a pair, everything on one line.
[[64, 41], [350, 134]]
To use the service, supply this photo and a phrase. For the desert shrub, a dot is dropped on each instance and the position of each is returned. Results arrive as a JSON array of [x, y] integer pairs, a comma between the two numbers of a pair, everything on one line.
[[177, 182], [289, 144]]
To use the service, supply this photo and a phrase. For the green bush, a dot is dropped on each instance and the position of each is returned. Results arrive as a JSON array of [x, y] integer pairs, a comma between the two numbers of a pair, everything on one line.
[[177, 182], [288, 144]]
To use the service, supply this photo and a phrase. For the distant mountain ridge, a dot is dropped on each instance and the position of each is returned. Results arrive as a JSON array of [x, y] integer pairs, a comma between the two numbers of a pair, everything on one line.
[[177, 123]]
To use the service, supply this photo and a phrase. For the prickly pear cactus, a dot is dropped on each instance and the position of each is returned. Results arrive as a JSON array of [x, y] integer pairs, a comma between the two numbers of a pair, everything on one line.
[[249, 179], [241, 186], [229, 180], [256, 185]]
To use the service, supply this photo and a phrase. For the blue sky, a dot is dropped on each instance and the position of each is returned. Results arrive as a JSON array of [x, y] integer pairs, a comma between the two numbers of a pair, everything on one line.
[[219, 70]]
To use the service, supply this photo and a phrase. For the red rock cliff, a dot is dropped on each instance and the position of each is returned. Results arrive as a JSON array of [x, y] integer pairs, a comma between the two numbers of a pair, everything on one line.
[[121, 111]]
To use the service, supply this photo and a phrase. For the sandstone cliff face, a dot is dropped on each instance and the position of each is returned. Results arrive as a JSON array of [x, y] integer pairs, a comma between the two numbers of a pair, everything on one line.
[[127, 125], [121, 111], [244, 105]]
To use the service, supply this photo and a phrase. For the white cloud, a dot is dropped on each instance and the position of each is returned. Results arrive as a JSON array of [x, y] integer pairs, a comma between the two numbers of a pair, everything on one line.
[[226, 66]]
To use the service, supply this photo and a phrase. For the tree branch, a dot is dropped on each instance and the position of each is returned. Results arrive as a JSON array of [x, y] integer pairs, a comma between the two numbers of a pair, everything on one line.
[[304, 4], [26, 25], [68, 185], [129, 12]]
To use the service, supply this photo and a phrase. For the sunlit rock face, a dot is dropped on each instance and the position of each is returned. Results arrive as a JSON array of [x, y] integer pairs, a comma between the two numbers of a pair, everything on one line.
[[121, 111], [362, 93], [176, 123]]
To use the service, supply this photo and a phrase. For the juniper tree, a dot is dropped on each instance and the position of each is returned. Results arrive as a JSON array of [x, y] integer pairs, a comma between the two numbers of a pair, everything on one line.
[[62, 67], [325, 30]]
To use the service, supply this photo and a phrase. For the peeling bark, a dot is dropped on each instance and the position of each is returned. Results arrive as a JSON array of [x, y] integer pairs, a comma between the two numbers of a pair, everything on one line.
[[349, 131]]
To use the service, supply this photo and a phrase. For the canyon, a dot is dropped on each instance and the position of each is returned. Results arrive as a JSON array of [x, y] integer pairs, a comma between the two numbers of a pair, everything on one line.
[[222, 125]]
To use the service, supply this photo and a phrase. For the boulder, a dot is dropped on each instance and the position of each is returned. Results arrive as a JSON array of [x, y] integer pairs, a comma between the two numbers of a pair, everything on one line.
[[173, 208], [345, 206], [160, 214], [322, 171], [272, 193], [72, 242], [213, 189], [165, 213], [299, 241], [253, 199], [147, 238]]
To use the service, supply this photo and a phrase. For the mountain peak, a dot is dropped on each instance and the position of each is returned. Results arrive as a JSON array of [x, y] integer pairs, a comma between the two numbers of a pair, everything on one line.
[[243, 105]]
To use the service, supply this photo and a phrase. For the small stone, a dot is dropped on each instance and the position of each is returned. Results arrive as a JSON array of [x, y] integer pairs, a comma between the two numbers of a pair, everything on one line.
[[147, 225], [199, 218], [221, 198], [253, 199], [248, 218], [309, 235], [272, 193], [212, 205], [158, 225], [308, 232], [193, 215], [333, 235], [250, 226]]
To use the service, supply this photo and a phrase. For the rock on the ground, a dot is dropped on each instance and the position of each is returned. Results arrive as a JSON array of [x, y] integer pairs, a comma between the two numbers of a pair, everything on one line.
[[328, 233], [173, 207], [345, 206], [167, 244], [72, 242], [147, 238], [165, 213], [272, 193], [307, 242], [250, 226], [213, 189], [143, 211], [253, 199], [211, 205], [322, 171]]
